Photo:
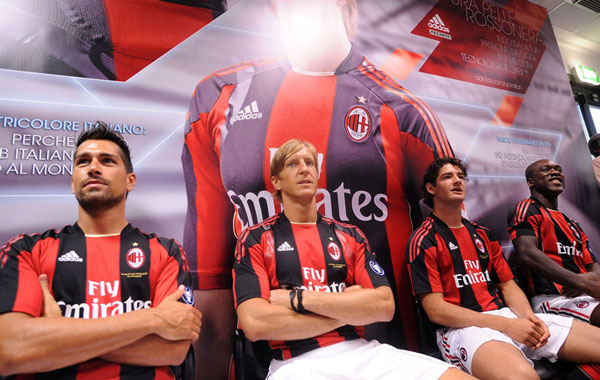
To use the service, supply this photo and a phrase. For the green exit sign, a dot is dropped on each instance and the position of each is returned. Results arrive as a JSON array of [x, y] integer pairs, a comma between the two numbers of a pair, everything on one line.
[[587, 75]]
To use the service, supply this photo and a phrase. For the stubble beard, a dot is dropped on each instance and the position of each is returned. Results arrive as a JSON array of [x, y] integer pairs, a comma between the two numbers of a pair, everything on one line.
[[93, 202]]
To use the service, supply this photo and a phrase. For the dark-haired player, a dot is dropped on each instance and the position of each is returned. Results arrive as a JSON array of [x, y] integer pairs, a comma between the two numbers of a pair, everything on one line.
[[97, 299], [458, 272], [308, 284], [562, 271], [373, 139]]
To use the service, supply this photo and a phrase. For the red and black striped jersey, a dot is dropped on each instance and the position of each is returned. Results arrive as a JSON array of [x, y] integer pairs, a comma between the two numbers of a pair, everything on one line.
[[325, 257], [464, 264], [558, 236], [374, 140], [92, 277]]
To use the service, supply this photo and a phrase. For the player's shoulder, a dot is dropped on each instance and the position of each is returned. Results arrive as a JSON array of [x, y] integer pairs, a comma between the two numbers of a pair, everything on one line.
[[27, 241], [482, 230], [253, 234], [240, 72], [347, 228], [171, 245], [523, 210]]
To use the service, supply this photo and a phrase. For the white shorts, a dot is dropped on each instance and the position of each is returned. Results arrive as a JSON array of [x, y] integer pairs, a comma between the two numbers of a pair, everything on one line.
[[577, 307], [358, 359], [458, 346]]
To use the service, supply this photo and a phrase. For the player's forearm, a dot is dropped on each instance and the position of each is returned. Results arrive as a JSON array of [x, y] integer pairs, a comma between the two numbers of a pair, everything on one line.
[[538, 262], [515, 299], [43, 344], [151, 350], [357, 308], [264, 321], [446, 314]]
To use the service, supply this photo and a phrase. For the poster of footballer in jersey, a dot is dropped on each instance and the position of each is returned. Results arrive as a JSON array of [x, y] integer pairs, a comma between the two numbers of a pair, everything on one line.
[[380, 87]]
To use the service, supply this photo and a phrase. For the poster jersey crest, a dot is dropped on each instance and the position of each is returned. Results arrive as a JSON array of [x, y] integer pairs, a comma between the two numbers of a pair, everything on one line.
[[373, 139]]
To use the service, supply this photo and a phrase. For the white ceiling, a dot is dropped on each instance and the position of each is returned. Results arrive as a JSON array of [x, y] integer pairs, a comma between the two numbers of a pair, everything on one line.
[[577, 30]]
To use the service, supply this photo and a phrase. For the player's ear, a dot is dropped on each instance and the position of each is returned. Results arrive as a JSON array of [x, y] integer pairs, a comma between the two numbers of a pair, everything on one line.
[[275, 182], [131, 181], [430, 188]]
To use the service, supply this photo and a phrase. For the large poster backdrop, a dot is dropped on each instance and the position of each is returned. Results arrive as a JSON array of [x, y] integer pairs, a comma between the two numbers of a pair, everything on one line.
[[491, 71]]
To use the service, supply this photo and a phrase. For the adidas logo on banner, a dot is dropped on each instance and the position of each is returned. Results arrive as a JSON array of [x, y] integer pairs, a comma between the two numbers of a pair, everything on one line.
[[437, 27], [285, 247], [250, 112], [452, 246], [70, 256]]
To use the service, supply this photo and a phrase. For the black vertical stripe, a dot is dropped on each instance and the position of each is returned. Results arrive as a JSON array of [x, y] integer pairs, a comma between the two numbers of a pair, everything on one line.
[[70, 277], [69, 286], [467, 295], [337, 270], [9, 277], [135, 287], [288, 267]]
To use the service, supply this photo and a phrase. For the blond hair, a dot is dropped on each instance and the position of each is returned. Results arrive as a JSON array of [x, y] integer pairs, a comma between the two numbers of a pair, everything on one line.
[[285, 151]]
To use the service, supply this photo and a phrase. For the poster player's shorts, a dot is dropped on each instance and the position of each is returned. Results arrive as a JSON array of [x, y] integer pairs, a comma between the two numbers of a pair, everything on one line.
[[358, 359], [458, 345], [580, 308]]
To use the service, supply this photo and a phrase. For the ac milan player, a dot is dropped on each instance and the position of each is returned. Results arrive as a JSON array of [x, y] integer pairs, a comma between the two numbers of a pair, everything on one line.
[[373, 138], [116, 287], [308, 285], [562, 271], [458, 272]]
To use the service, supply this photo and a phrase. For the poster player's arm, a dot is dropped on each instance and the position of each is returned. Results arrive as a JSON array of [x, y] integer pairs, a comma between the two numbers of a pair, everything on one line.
[[208, 237], [152, 350]]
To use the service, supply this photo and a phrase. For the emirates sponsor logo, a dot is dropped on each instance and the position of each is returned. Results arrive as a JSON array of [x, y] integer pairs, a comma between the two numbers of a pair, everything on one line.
[[568, 250], [341, 204], [314, 279], [102, 291], [474, 275]]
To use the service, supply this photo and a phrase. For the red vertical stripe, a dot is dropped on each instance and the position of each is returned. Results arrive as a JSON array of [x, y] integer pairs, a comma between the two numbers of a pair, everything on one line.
[[310, 252], [302, 109], [102, 279], [398, 224]]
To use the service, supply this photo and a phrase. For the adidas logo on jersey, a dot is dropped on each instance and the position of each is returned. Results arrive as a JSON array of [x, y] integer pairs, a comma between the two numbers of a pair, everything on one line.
[[437, 27], [285, 247], [250, 112], [452, 246], [70, 256]]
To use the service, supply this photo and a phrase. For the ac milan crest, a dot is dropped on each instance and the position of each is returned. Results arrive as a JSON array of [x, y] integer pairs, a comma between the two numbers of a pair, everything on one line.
[[135, 258], [357, 123], [334, 251], [463, 354], [582, 304], [480, 245]]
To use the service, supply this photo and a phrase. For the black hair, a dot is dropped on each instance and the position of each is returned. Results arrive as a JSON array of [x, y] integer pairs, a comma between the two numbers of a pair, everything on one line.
[[594, 145], [432, 172], [102, 132]]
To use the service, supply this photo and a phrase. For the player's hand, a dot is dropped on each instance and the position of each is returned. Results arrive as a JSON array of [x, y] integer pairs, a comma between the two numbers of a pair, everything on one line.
[[544, 339], [178, 321], [281, 297], [591, 283], [525, 331], [570, 293], [51, 308]]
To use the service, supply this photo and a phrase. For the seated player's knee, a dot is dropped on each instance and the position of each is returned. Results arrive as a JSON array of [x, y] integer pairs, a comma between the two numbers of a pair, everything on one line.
[[522, 371]]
